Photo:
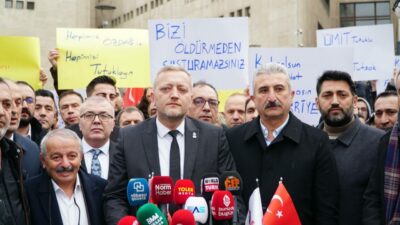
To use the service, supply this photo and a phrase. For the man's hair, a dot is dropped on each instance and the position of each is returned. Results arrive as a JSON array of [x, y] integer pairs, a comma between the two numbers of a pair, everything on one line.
[[247, 103], [21, 82], [231, 96], [3, 81], [99, 80], [202, 83], [128, 110], [168, 69], [269, 69], [386, 94], [69, 92], [96, 100], [62, 133], [333, 75], [46, 93]]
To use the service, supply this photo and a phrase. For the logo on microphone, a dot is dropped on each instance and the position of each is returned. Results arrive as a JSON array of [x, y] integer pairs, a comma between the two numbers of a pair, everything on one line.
[[139, 187], [232, 183], [226, 200], [185, 191], [163, 189], [211, 184], [195, 209], [155, 219]]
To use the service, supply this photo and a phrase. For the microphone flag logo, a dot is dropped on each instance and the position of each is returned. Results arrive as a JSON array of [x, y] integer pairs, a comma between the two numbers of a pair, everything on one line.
[[138, 186], [226, 200]]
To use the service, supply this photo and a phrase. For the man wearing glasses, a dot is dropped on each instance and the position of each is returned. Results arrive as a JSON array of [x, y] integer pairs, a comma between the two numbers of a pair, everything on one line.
[[204, 105], [96, 124]]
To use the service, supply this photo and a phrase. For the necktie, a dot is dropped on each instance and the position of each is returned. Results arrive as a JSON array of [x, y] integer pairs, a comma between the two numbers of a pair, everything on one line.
[[174, 157], [270, 137], [96, 167]]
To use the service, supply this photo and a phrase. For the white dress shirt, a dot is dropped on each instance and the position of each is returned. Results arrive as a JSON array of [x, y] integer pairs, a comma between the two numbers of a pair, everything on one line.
[[104, 157], [164, 146], [275, 133], [72, 210]]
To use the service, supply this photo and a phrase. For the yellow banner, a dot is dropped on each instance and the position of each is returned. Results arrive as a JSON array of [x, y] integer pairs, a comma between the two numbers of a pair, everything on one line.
[[89, 53], [20, 59]]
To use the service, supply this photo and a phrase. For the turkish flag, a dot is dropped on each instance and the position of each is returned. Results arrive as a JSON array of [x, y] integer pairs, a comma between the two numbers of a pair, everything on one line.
[[281, 210], [132, 96]]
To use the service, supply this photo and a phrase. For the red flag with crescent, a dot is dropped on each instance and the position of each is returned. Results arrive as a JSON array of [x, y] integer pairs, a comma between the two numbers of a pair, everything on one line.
[[132, 96], [281, 209]]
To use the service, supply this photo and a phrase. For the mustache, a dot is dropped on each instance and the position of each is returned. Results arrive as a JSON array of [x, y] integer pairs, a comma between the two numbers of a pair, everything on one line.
[[62, 169], [26, 110], [272, 104], [335, 107]]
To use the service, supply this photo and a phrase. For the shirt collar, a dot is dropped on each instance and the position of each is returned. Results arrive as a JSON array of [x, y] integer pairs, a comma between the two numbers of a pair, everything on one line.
[[163, 130], [277, 131], [104, 149]]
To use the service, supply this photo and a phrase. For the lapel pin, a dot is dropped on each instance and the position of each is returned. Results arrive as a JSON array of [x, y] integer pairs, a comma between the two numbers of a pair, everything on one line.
[[194, 135]]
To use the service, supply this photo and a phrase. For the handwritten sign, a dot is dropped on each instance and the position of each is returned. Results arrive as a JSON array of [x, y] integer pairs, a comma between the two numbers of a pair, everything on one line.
[[213, 50], [20, 59], [304, 66], [88, 53], [373, 48], [382, 84]]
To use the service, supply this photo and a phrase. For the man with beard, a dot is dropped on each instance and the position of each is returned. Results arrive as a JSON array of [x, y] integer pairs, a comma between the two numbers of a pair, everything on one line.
[[29, 126], [354, 145], [30, 160], [64, 194], [277, 146], [13, 205]]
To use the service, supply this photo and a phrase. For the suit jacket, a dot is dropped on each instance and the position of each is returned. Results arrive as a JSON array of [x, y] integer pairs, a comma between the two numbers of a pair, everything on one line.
[[299, 155], [136, 155], [43, 201], [37, 131], [110, 152], [31, 164]]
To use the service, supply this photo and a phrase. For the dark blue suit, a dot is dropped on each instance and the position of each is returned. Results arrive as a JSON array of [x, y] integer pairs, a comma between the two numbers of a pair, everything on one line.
[[31, 165], [43, 202]]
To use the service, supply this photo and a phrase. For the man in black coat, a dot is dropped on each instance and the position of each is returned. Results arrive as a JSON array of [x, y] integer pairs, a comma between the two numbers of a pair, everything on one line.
[[277, 146]]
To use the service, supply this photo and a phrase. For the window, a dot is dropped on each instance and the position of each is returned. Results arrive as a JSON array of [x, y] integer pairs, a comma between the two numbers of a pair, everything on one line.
[[9, 4], [232, 14], [240, 12], [152, 4], [366, 13], [141, 9], [247, 11], [19, 5], [124, 17], [145, 7], [137, 11], [131, 14], [30, 5], [161, 2], [156, 3]]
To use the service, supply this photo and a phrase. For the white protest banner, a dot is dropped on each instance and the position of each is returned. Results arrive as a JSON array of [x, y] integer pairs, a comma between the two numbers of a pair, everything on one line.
[[381, 84], [214, 50], [373, 48], [304, 65]]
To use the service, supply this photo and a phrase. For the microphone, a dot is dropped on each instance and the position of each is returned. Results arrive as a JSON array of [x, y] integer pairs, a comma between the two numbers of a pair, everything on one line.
[[149, 214], [183, 190], [222, 205], [232, 181], [198, 206], [137, 191], [209, 184], [183, 217], [161, 191], [128, 220]]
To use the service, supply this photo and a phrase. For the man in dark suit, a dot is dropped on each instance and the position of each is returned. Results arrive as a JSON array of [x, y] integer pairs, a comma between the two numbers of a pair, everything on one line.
[[170, 144], [64, 194], [276, 145]]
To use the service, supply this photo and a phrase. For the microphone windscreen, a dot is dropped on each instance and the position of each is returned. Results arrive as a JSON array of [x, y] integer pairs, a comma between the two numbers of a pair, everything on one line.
[[198, 206], [183, 190], [161, 189], [209, 184], [231, 181], [150, 214], [137, 191], [222, 205], [183, 217], [128, 220]]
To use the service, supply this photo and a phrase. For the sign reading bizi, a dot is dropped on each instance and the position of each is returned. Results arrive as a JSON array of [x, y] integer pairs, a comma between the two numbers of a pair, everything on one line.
[[89, 53], [213, 50]]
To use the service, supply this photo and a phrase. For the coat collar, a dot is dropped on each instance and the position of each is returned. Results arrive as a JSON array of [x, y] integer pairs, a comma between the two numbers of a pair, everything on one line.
[[349, 134]]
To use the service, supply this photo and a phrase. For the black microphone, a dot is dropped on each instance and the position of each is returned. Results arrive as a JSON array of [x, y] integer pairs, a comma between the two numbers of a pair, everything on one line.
[[232, 181]]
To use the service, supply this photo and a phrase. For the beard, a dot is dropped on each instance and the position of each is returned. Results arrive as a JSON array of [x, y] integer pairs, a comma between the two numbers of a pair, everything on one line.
[[338, 120], [25, 121]]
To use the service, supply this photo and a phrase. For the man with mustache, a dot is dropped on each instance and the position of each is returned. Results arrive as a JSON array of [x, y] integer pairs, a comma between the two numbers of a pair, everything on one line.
[[14, 208], [277, 146], [64, 194], [29, 126], [354, 145], [30, 160]]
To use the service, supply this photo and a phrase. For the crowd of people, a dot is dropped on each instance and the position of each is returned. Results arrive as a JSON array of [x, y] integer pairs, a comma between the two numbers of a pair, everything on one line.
[[344, 171]]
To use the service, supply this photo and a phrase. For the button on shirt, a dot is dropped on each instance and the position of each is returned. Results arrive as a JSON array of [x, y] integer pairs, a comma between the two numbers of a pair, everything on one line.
[[104, 157], [275, 133], [70, 213], [164, 145]]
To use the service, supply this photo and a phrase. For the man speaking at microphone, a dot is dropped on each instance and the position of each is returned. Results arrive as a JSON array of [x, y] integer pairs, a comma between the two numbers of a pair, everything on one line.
[[171, 144]]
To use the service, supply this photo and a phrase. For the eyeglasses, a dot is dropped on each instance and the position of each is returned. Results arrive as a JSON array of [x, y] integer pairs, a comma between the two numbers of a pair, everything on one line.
[[200, 102], [91, 116], [28, 100]]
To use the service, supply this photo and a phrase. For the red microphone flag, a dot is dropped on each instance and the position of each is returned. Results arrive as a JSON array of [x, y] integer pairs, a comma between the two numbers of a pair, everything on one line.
[[281, 209]]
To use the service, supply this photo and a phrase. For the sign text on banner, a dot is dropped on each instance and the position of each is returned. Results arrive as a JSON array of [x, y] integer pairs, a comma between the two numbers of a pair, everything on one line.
[[88, 53]]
